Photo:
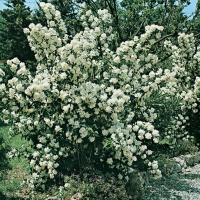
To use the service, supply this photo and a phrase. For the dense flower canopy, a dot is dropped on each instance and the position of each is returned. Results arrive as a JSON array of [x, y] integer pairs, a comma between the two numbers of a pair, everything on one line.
[[89, 99]]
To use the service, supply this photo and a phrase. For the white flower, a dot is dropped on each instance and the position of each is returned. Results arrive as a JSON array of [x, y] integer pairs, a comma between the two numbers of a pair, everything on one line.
[[56, 145], [108, 109], [129, 127], [130, 141], [155, 140], [42, 4], [149, 152], [148, 136], [2, 87], [82, 130], [110, 161], [56, 165], [79, 140], [37, 168], [141, 137], [30, 128], [42, 139], [26, 30], [88, 13], [143, 156], [48, 156], [104, 97], [58, 128], [32, 162], [143, 147], [50, 165], [134, 158], [67, 185], [66, 108], [35, 123], [52, 23], [13, 68], [150, 127], [51, 176], [63, 75], [35, 175], [55, 157], [121, 135], [154, 165], [155, 133], [36, 154], [16, 60], [113, 80], [105, 132], [39, 146], [141, 132], [120, 176], [135, 128], [91, 139]]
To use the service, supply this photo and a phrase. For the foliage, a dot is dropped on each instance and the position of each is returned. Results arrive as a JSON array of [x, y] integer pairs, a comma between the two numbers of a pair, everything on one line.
[[12, 171], [4, 149], [185, 58], [12, 38], [183, 148], [94, 185], [69, 14], [130, 17]]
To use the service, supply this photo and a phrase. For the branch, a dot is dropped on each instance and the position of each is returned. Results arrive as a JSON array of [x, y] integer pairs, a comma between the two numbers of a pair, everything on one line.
[[197, 35], [113, 10], [196, 13], [140, 27], [164, 58], [197, 41], [164, 13], [166, 36]]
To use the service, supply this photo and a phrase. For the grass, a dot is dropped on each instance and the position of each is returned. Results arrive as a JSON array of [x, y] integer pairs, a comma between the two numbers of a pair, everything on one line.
[[15, 171]]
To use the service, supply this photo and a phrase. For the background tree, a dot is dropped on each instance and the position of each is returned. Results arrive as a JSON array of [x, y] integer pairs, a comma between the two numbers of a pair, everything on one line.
[[69, 13], [129, 19], [194, 21], [12, 38], [131, 16]]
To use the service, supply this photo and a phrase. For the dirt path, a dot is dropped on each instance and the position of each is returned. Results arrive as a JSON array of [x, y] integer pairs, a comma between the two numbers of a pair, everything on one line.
[[184, 185]]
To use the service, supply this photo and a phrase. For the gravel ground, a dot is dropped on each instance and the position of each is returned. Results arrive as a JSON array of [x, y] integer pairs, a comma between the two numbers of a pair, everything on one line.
[[179, 186]]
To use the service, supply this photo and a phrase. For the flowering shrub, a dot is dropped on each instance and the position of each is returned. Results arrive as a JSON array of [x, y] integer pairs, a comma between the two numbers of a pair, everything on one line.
[[89, 102], [185, 62]]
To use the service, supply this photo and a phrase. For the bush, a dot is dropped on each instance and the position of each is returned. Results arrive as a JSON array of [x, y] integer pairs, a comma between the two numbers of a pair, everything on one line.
[[89, 104], [4, 162], [95, 185], [4, 149]]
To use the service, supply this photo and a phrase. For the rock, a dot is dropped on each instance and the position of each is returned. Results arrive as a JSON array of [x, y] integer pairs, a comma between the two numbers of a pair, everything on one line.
[[181, 161], [53, 198], [188, 170], [171, 170]]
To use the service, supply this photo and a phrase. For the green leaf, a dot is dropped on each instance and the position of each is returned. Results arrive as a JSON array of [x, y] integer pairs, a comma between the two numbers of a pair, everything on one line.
[[164, 141]]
